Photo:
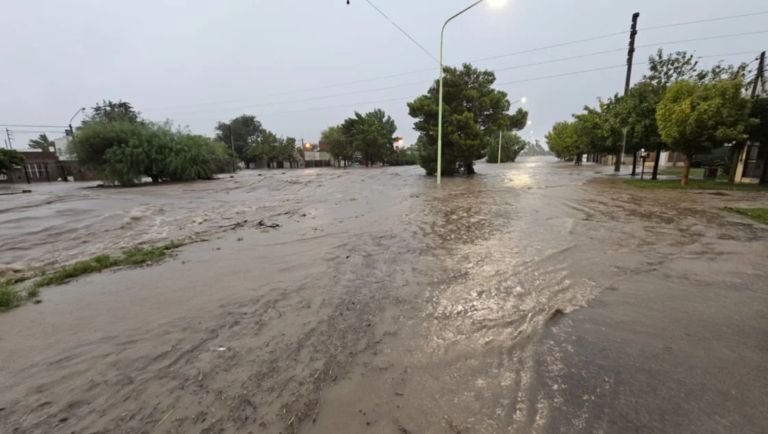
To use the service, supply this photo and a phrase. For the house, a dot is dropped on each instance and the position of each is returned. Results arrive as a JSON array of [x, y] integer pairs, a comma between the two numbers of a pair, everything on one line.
[[46, 167]]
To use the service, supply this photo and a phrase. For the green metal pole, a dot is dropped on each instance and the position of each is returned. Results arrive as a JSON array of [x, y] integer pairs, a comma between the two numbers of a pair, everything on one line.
[[499, 160], [440, 95]]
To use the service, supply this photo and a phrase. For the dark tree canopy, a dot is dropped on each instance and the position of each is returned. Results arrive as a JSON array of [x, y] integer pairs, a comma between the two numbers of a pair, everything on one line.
[[472, 108], [241, 131], [110, 111], [124, 152], [511, 146], [42, 142], [338, 145], [9, 159], [372, 135]]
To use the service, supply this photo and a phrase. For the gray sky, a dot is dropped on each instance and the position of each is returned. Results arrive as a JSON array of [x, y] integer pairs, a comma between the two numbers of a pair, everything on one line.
[[200, 61]]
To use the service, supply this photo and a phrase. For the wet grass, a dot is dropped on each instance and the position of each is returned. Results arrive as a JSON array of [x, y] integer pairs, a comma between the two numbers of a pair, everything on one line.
[[695, 184], [11, 297], [759, 215], [12, 294], [678, 171]]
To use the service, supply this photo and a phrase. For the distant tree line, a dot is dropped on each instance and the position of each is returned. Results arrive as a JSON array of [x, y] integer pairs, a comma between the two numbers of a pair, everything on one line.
[[676, 106]]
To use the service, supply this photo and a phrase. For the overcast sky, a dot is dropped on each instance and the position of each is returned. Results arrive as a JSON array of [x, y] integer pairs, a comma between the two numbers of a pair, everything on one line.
[[302, 65]]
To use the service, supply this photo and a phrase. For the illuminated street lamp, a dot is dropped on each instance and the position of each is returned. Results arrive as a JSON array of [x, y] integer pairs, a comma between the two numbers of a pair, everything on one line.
[[494, 4]]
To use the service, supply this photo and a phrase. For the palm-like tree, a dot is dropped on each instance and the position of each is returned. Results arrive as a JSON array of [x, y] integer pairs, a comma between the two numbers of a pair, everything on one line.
[[42, 143]]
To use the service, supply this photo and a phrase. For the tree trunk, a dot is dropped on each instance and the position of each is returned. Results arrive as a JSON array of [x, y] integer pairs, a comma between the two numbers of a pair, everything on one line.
[[655, 175], [469, 168], [634, 164], [686, 170]]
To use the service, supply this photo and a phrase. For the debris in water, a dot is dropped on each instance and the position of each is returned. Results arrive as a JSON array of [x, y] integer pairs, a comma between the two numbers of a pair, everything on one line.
[[268, 225]]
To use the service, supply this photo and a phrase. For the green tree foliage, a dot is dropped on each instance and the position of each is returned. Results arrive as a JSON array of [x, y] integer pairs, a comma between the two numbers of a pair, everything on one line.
[[9, 159], [511, 146], [270, 148], [472, 109], [371, 135], [42, 142], [561, 140], [124, 152], [241, 131], [339, 146], [697, 118], [403, 157], [110, 111]]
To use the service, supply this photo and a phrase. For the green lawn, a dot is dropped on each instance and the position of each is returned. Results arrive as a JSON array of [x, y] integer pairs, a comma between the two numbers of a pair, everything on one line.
[[695, 184], [678, 171], [759, 215]]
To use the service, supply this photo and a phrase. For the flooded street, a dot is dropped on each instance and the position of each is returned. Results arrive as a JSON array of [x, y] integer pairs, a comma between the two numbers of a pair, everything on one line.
[[533, 297]]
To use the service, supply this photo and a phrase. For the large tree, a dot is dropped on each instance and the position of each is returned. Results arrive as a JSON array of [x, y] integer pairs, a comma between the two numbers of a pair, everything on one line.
[[42, 142], [561, 140], [339, 146], [472, 108], [240, 132], [9, 159], [696, 118], [124, 152], [270, 148], [372, 135]]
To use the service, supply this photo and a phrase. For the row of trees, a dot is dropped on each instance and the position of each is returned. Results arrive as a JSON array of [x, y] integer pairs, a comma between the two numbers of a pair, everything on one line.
[[473, 114], [676, 106], [123, 148]]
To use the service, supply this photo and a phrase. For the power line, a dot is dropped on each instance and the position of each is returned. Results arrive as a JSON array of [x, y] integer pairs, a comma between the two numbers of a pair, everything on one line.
[[530, 50], [31, 126], [566, 74], [411, 38], [705, 20], [519, 66], [705, 38]]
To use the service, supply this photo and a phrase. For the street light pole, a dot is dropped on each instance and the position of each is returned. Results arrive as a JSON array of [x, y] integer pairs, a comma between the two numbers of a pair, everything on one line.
[[71, 130], [440, 94]]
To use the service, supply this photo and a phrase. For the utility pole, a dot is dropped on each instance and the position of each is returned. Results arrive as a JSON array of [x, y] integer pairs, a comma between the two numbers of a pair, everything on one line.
[[630, 59], [9, 135], [499, 160], [232, 144], [758, 75]]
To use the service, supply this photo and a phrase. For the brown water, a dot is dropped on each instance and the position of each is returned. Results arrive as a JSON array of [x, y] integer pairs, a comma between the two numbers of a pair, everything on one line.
[[386, 304]]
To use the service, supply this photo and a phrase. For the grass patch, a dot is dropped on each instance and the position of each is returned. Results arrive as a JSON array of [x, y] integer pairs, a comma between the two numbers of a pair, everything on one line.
[[12, 295], [678, 171], [129, 258], [695, 184], [759, 215]]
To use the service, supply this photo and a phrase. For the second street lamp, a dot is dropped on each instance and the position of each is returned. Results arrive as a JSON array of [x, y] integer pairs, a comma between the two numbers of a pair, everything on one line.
[[494, 3]]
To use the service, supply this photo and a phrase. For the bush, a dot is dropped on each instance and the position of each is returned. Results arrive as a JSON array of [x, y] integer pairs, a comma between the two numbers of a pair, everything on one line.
[[511, 146], [126, 152]]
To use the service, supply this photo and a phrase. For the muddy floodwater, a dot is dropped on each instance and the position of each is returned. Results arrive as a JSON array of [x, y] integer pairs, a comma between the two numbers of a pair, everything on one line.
[[535, 297]]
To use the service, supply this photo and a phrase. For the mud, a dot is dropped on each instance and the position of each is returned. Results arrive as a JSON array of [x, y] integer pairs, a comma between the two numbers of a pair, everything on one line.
[[534, 297]]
